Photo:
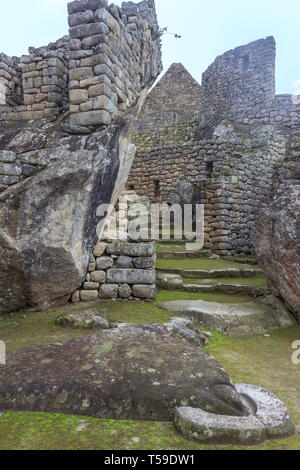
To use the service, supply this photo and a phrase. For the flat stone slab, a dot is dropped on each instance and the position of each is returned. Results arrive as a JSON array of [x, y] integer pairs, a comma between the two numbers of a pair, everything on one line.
[[233, 319], [268, 419], [131, 372], [227, 288]]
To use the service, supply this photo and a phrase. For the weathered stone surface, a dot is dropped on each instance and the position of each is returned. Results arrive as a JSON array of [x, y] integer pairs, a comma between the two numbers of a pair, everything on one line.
[[104, 262], [131, 249], [155, 374], [188, 330], [144, 291], [125, 291], [109, 291], [277, 244], [169, 281], [124, 262], [48, 222], [89, 319], [201, 426], [144, 263], [23, 139], [131, 276], [98, 276], [269, 410], [88, 295], [99, 249], [268, 419], [232, 319]]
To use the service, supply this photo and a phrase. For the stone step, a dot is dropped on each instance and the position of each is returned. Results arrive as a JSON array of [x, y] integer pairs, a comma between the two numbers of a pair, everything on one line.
[[213, 274], [221, 288], [182, 254], [240, 260]]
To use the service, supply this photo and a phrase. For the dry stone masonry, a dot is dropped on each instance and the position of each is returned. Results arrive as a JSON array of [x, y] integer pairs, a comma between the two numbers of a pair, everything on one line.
[[95, 72], [230, 154], [105, 58], [120, 270]]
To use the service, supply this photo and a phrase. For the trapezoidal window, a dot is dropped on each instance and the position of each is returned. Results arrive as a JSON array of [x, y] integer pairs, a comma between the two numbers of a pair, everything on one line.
[[156, 188]]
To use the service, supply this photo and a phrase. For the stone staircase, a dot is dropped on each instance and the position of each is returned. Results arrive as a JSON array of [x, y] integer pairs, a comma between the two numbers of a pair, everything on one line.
[[202, 273], [238, 275]]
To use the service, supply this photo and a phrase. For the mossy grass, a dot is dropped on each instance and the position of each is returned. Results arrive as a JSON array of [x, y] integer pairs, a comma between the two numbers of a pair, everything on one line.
[[199, 264]]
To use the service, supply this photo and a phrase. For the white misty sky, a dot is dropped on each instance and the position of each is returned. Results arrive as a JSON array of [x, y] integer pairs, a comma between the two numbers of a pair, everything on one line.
[[208, 29]]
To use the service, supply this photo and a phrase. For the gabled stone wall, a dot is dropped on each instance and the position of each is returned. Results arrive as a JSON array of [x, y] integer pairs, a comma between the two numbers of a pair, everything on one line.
[[175, 99]]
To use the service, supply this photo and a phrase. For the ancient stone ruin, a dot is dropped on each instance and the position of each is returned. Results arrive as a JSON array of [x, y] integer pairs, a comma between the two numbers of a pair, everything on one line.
[[232, 155], [78, 128], [65, 144]]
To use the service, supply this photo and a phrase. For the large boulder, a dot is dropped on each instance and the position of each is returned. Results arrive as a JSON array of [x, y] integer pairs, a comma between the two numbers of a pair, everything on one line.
[[48, 221], [131, 372], [277, 244]]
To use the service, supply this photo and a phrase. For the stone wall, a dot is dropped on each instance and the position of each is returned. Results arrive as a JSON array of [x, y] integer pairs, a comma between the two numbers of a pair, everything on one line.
[[108, 45], [43, 90], [240, 86], [120, 271], [175, 134], [10, 81], [97, 72], [224, 171]]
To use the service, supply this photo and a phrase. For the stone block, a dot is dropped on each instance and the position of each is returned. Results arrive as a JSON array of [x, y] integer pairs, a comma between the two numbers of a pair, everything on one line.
[[144, 291], [91, 118], [98, 276], [109, 291], [88, 295], [131, 276], [104, 262], [131, 249]]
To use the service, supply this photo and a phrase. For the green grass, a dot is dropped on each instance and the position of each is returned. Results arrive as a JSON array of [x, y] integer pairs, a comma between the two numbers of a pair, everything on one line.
[[164, 296], [202, 264], [27, 329], [253, 281], [264, 360], [46, 431]]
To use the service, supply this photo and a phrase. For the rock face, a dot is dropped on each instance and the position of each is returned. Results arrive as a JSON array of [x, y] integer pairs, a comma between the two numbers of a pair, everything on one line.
[[277, 243], [132, 372], [48, 222]]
